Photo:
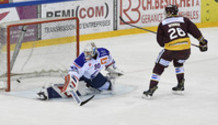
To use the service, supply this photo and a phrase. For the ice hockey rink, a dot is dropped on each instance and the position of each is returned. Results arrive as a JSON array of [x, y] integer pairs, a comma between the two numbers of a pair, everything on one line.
[[135, 55]]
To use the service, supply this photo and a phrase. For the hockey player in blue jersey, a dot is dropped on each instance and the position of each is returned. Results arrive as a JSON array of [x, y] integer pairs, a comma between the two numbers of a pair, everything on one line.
[[87, 69]]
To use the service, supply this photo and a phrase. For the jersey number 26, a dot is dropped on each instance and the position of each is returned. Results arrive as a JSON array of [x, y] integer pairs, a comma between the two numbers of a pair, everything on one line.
[[176, 32]]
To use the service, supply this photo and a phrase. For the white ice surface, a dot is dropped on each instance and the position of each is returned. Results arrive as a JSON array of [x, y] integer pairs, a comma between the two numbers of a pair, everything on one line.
[[135, 55]]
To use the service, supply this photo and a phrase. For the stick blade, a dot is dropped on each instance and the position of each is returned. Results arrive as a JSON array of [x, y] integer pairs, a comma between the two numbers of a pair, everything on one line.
[[87, 100]]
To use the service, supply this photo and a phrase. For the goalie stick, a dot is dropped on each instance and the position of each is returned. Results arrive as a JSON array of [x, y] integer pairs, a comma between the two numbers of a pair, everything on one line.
[[77, 98], [69, 83], [147, 30]]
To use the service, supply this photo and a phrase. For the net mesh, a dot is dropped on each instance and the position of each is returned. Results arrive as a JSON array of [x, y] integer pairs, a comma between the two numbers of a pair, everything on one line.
[[38, 48]]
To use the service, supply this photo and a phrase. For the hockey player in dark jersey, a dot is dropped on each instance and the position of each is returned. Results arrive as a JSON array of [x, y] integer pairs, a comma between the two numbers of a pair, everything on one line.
[[172, 35]]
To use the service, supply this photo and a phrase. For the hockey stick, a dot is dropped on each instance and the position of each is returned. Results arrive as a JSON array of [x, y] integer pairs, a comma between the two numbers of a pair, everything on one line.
[[87, 100], [77, 98], [147, 30], [73, 92]]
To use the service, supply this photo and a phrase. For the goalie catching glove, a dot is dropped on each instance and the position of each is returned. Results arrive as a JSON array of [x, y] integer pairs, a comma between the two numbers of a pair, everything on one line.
[[114, 71], [71, 83]]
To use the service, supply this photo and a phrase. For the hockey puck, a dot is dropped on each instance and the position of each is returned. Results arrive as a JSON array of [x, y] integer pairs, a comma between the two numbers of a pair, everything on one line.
[[18, 80]]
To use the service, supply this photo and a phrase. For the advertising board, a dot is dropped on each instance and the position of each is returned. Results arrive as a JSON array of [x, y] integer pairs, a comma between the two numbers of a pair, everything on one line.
[[20, 13], [95, 16], [150, 12]]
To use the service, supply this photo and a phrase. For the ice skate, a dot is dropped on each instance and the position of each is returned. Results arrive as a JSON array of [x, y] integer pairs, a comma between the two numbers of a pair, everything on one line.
[[149, 93], [43, 94], [179, 89]]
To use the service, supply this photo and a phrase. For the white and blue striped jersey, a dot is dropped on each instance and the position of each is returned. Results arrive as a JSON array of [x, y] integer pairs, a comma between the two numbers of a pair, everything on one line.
[[90, 68]]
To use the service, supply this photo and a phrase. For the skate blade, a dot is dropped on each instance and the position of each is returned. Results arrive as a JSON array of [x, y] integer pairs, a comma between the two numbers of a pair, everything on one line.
[[178, 92], [146, 97]]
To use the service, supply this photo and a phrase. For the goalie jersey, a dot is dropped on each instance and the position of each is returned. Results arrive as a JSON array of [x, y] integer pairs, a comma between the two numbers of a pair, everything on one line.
[[91, 68]]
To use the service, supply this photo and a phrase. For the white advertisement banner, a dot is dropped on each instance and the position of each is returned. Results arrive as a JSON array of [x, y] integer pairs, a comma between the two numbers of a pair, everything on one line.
[[95, 15], [151, 12], [8, 14]]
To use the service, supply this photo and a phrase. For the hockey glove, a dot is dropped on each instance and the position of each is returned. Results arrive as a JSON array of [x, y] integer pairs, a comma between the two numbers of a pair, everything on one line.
[[203, 45], [114, 71]]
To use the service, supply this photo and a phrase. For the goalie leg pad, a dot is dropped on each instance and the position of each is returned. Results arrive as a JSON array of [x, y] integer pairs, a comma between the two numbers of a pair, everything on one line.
[[54, 91], [50, 92]]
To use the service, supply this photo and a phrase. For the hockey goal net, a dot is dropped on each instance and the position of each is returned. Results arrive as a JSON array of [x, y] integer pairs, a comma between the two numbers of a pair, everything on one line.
[[37, 51]]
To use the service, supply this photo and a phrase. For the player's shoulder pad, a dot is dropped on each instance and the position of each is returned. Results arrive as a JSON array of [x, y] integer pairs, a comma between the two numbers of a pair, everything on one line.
[[80, 61], [103, 52]]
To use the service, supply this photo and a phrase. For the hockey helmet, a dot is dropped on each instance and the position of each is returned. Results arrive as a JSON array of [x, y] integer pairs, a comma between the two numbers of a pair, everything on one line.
[[90, 50], [171, 10]]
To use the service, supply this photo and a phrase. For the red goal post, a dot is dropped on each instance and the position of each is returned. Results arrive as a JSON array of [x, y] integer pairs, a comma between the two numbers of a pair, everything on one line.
[[58, 26]]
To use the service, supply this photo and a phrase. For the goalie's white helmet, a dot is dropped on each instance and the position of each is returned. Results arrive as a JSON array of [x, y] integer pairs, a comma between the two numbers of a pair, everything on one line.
[[90, 50]]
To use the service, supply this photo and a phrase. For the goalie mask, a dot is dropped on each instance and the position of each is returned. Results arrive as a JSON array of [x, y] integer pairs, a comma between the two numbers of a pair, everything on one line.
[[171, 10], [90, 51]]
